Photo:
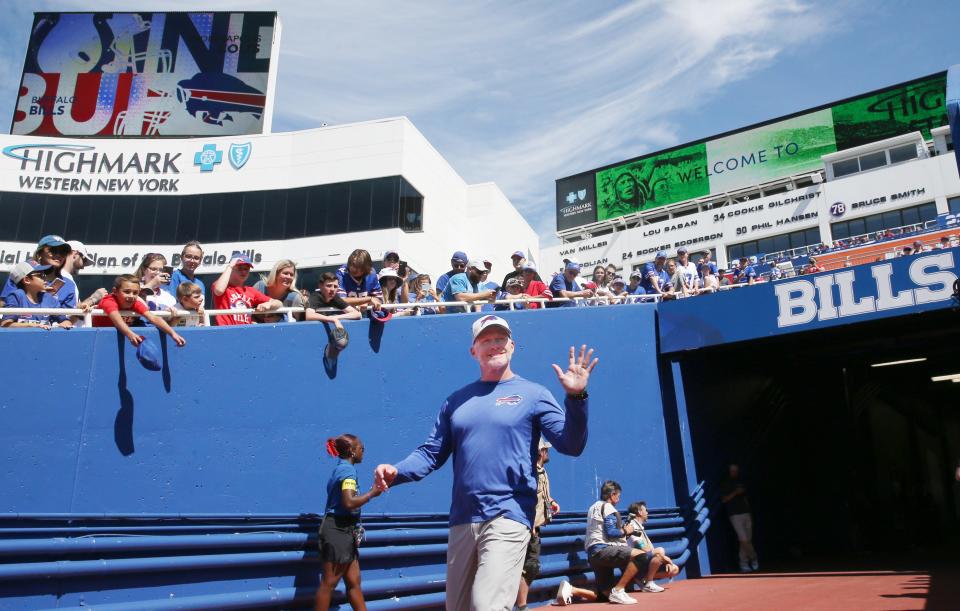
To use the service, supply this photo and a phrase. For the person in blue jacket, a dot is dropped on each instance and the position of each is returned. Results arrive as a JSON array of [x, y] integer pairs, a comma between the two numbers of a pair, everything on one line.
[[492, 428], [340, 530]]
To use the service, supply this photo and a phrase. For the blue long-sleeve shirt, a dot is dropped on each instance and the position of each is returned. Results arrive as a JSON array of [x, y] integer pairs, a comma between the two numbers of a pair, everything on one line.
[[493, 430]]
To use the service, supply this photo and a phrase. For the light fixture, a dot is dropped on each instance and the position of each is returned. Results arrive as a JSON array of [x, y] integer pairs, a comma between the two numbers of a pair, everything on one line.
[[952, 376], [903, 362]]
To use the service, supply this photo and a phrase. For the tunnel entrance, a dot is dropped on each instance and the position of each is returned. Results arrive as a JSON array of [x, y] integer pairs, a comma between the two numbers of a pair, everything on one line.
[[846, 464]]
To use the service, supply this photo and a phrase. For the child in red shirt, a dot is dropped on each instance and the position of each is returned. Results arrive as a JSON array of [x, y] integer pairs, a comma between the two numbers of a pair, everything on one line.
[[229, 292], [533, 287], [125, 296]]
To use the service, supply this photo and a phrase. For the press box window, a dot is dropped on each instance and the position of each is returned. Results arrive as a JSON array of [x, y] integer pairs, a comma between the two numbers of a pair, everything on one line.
[[903, 153], [363, 205], [877, 159]]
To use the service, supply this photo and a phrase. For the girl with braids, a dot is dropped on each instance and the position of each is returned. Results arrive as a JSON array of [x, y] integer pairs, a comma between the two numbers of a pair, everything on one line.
[[340, 530]]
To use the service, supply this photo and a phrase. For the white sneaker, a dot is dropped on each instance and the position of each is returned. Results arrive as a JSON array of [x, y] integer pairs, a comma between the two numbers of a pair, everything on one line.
[[754, 565], [564, 594], [619, 597], [651, 587]]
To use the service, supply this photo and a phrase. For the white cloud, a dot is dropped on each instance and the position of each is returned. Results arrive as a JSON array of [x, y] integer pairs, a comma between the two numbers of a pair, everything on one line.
[[522, 94], [516, 93]]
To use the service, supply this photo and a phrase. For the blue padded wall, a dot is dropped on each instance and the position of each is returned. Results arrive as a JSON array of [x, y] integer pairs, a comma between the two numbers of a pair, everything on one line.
[[235, 422]]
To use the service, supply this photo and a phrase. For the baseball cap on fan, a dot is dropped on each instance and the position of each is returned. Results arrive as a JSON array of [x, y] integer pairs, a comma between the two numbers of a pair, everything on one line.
[[242, 258], [482, 324], [25, 268], [80, 247], [53, 241]]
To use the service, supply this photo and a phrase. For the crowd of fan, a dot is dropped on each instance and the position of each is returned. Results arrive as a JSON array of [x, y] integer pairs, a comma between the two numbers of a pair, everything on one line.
[[354, 290]]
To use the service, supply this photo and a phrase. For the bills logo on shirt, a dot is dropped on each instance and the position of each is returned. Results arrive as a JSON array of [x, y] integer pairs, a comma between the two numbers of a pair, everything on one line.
[[509, 400]]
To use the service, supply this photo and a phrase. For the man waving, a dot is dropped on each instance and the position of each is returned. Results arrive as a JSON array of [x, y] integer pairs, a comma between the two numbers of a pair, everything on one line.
[[492, 427]]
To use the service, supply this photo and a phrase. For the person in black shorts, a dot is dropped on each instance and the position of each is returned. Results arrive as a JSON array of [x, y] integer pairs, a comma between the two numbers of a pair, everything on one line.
[[340, 530], [607, 549]]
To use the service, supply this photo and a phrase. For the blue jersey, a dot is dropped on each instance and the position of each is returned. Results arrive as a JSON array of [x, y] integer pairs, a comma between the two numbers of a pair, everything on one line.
[[650, 272], [508, 417], [177, 278], [560, 283], [368, 286], [444, 279], [412, 298], [344, 477], [18, 299], [746, 273], [66, 297], [460, 283], [518, 305], [488, 286]]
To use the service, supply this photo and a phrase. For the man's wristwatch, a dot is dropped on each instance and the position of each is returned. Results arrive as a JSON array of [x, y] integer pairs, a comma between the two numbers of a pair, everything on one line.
[[580, 396]]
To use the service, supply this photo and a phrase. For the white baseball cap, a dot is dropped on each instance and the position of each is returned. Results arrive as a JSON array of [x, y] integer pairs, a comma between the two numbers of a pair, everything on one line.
[[80, 247], [484, 323], [388, 272]]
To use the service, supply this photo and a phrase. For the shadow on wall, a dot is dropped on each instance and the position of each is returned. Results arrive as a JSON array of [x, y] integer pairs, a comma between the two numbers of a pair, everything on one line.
[[243, 428]]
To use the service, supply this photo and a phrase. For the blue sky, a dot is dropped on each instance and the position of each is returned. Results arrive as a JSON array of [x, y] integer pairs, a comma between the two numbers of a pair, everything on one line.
[[522, 93]]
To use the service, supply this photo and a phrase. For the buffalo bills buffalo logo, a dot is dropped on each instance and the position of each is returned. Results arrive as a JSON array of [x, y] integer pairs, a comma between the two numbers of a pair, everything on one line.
[[509, 400]]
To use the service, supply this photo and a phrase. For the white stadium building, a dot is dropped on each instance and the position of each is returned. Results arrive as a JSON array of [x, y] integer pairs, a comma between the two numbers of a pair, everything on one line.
[[312, 196]]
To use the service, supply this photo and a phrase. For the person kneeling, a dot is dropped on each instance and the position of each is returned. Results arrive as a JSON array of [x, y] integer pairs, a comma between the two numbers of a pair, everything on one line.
[[607, 549], [639, 515]]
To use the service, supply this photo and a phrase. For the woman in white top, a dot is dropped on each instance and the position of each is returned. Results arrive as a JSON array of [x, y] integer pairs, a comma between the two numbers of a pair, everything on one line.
[[394, 290], [154, 277]]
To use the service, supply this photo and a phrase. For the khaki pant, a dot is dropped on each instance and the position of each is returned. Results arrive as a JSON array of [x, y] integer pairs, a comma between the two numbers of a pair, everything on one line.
[[743, 525], [484, 563]]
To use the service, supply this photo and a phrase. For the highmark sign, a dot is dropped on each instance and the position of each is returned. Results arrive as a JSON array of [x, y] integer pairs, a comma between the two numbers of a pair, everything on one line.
[[865, 292], [778, 149], [83, 168]]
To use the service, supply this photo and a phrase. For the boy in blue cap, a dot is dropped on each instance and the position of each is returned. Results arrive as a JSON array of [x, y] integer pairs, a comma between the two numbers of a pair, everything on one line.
[[30, 292]]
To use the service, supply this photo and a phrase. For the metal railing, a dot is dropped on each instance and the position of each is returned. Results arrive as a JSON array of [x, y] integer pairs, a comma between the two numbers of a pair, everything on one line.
[[416, 308], [866, 239]]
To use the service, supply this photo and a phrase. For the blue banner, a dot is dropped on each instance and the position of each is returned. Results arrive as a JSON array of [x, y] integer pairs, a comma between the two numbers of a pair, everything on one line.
[[905, 285]]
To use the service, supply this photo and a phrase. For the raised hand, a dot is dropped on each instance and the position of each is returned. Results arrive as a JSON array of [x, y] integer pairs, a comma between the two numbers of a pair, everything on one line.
[[574, 379]]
